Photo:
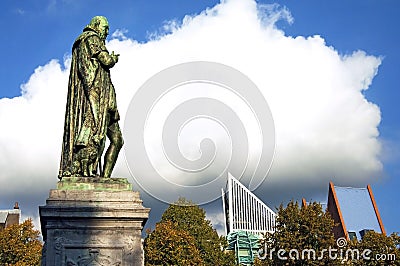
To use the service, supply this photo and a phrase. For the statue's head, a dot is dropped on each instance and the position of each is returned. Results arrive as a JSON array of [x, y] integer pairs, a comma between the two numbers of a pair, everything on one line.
[[100, 25]]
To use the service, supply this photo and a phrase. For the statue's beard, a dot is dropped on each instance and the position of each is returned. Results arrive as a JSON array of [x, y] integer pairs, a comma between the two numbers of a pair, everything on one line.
[[103, 36]]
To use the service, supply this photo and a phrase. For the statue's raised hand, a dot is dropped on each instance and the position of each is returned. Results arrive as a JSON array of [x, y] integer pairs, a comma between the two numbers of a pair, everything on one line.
[[115, 56]]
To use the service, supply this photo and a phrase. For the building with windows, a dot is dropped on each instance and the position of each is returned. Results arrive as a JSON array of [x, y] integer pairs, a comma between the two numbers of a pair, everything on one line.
[[244, 211], [247, 219], [10, 217], [354, 210]]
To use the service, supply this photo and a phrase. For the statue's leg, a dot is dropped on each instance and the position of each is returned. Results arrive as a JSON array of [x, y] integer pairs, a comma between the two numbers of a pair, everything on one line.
[[85, 167], [116, 142], [96, 163], [94, 105]]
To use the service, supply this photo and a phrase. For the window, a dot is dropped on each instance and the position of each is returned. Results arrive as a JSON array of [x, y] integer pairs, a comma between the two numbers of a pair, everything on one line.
[[352, 235], [364, 231]]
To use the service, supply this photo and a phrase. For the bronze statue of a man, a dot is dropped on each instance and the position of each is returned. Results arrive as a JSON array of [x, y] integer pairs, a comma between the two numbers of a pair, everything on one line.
[[91, 112]]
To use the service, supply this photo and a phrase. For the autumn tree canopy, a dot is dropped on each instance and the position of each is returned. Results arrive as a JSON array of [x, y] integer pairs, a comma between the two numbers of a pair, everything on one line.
[[186, 220], [382, 249], [20, 245], [167, 245], [299, 229]]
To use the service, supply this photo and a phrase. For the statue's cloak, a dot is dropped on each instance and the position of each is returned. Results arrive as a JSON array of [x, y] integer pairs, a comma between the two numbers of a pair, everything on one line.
[[86, 117]]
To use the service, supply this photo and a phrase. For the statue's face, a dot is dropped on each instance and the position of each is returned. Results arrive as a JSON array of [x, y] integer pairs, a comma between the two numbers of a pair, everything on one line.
[[103, 29]]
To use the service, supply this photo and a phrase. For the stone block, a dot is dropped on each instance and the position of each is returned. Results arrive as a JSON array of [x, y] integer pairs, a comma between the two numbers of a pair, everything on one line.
[[93, 222]]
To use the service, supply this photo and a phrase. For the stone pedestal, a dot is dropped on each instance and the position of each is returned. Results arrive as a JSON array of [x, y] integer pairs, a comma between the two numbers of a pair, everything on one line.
[[93, 221]]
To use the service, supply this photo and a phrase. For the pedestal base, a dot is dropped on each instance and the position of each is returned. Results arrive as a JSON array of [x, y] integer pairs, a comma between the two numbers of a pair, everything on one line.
[[88, 221]]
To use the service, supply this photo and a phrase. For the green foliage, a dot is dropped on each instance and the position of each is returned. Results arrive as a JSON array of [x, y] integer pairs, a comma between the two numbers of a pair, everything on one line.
[[300, 228], [20, 245], [384, 249], [185, 216], [167, 245], [303, 228]]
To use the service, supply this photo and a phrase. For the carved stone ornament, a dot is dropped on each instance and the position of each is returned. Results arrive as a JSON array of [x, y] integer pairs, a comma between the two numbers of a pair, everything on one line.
[[94, 258], [59, 243]]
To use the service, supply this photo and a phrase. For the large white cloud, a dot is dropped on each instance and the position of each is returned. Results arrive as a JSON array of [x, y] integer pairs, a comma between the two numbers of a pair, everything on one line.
[[325, 127]]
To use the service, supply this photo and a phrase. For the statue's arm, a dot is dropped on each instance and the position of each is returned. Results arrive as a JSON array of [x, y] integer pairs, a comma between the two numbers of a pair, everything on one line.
[[106, 59], [99, 51]]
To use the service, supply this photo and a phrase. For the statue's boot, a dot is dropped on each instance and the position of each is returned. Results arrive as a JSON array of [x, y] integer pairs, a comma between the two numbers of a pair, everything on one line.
[[85, 167]]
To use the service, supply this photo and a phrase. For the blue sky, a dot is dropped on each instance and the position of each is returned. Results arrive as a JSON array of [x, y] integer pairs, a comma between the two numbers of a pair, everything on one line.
[[35, 32]]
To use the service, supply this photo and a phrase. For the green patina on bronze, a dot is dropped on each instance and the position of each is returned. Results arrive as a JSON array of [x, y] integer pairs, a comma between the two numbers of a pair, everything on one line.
[[91, 112], [94, 183]]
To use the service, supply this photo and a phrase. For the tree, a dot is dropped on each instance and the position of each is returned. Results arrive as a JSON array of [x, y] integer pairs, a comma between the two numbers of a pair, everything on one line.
[[384, 249], [20, 245], [185, 216], [299, 232], [167, 245]]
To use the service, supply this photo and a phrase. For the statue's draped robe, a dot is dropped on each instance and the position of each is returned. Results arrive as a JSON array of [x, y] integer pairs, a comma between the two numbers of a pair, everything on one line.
[[91, 102]]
